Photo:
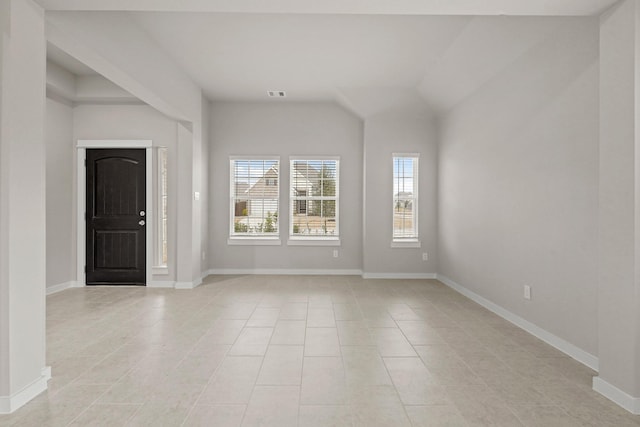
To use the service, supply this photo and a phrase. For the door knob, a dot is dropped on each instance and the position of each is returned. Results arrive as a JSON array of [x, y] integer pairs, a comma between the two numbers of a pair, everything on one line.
[[141, 222], [142, 213]]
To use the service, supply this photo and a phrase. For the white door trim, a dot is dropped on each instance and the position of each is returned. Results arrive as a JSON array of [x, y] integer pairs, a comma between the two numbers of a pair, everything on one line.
[[81, 241]]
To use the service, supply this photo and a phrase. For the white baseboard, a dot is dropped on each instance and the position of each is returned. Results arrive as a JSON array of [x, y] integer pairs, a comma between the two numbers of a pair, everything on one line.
[[319, 272], [60, 287], [9, 404], [613, 393], [191, 285], [284, 272], [399, 275], [564, 346], [46, 372], [184, 285], [198, 281], [170, 284]]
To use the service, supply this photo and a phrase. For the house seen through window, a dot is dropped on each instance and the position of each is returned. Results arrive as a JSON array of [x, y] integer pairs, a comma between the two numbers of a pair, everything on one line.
[[314, 199], [254, 197], [405, 197]]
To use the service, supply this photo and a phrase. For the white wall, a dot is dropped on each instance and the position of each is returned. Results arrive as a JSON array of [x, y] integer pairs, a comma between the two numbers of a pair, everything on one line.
[[285, 129], [60, 82], [22, 203], [5, 289], [111, 44], [59, 192], [200, 170], [117, 48], [204, 183], [619, 215], [399, 131], [518, 186], [184, 245], [136, 122]]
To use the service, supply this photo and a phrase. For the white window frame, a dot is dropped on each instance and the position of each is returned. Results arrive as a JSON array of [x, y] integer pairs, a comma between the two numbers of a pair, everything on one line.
[[162, 189], [316, 240], [411, 241], [256, 239]]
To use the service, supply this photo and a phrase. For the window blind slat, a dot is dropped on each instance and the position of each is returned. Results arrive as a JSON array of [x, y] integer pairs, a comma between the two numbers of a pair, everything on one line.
[[314, 198], [254, 197]]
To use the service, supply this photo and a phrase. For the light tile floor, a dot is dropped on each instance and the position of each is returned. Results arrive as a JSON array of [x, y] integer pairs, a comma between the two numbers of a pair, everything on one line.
[[308, 351]]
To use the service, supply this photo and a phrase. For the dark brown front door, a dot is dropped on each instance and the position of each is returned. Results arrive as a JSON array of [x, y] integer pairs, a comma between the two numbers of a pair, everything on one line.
[[116, 217]]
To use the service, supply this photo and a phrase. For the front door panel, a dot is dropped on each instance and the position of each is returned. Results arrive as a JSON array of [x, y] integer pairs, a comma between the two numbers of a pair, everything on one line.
[[116, 217]]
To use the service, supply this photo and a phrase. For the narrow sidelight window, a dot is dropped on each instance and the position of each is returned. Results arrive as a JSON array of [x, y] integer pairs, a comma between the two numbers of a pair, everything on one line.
[[162, 195], [405, 197]]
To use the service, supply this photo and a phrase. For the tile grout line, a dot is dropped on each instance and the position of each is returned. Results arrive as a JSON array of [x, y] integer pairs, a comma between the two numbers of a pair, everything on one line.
[[215, 372], [255, 381]]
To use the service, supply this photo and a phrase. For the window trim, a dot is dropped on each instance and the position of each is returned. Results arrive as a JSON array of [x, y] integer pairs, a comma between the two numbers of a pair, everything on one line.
[[254, 241], [411, 241], [251, 239], [311, 241], [314, 240]]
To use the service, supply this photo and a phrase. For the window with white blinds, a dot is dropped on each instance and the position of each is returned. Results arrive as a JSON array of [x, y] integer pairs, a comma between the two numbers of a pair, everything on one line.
[[405, 197], [314, 198], [254, 197]]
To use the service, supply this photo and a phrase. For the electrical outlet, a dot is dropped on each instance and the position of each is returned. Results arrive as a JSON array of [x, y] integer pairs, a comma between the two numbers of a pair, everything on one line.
[[335, 253], [527, 292], [425, 256]]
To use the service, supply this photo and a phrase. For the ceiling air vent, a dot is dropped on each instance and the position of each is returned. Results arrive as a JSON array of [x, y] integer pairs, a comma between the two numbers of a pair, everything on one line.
[[276, 94]]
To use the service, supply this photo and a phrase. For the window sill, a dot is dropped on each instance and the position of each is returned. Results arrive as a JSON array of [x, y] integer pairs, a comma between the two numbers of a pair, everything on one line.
[[254, 241], [405, 243], [160, 270], [313, 241]]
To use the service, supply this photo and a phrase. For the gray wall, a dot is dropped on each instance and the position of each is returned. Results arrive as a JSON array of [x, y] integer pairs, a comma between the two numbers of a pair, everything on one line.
[[399, 131], [156, 79], [285, 129], [204, 185], [518, 186], [135, 122], [619, 257], [22, 202], [59, 192]]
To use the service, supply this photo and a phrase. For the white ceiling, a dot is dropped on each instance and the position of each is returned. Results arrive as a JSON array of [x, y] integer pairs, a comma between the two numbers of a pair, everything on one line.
[[384, 7], [365, 59], [362, 54], [242, 56], [68, 62]]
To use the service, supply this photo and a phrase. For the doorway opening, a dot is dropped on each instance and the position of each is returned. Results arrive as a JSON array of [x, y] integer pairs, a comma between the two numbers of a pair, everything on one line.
[[115, 221], [115, 216]]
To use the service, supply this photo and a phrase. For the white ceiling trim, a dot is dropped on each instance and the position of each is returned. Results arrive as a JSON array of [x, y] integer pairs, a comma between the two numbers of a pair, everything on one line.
[[386, 7]]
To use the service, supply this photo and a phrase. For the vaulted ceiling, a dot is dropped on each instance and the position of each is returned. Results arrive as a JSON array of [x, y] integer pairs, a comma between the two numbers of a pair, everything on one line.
[[366, 55]]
